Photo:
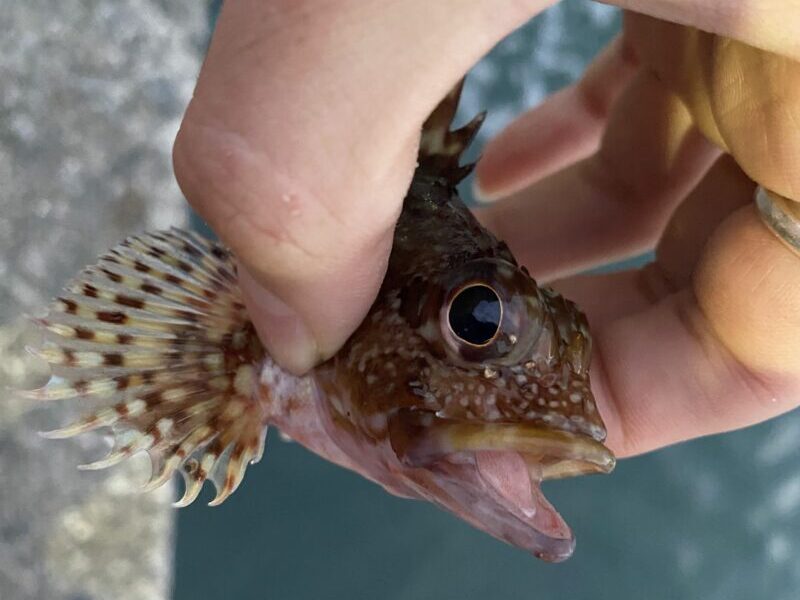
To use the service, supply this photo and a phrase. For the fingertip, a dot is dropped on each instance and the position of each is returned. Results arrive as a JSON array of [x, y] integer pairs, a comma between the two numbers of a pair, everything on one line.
[[480, 193], [564, 129], [744, 284], [504, 165], [284, 333]]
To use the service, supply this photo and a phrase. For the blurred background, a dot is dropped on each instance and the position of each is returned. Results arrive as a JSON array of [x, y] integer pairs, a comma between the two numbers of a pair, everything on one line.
[[91, 94]]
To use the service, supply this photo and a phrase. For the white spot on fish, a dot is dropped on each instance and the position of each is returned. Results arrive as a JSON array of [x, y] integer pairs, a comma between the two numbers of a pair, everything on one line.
[[377, 422], [136, 407], [281, 386], [245, 380]]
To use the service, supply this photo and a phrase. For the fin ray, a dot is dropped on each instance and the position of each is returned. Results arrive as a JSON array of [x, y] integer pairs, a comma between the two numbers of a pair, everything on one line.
[[441, 148], [156, 332]]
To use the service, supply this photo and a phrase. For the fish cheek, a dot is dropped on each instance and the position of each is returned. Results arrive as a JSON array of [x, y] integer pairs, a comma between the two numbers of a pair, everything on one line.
[[380, 370]]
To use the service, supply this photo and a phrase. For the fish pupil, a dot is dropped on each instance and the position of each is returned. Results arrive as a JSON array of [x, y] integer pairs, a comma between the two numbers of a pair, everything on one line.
[[475, 314]]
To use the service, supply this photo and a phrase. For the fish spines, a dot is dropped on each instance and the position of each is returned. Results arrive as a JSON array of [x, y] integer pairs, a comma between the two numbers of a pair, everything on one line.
[[156, 339], [441, 147]]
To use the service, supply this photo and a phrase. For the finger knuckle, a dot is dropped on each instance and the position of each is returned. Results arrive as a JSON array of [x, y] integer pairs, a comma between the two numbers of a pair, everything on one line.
[[244, 194]]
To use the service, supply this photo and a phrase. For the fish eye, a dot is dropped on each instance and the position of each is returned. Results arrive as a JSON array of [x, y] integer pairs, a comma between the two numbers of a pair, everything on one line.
[[475, 314]]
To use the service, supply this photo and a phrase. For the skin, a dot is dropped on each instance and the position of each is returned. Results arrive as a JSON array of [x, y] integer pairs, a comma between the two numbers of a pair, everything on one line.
[[305, 124]]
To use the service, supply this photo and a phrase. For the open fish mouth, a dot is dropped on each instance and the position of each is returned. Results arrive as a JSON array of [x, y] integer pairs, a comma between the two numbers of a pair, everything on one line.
[[490, 474]]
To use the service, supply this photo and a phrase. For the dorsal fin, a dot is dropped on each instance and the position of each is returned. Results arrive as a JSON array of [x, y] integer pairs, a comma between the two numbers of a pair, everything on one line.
[[440, 149]]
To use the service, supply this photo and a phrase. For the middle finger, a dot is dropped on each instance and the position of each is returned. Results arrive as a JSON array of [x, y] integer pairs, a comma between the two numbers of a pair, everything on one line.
[[616, 203]]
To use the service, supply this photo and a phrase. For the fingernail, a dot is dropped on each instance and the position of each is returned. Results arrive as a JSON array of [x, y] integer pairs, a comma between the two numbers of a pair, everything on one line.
[[479, 193], [287, 338]]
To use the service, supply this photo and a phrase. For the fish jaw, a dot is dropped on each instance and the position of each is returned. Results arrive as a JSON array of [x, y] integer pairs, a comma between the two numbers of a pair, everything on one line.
[[496, 493], [490, 474]]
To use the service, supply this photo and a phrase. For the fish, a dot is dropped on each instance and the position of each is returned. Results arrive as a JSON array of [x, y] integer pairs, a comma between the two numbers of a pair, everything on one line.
[[466, 385]]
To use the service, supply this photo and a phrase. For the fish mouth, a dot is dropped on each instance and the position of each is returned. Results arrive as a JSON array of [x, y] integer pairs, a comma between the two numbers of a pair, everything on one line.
[[490, 474]]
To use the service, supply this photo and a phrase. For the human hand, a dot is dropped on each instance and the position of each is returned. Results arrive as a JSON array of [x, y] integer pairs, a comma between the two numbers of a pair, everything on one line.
[[301, 140], [707, 338]]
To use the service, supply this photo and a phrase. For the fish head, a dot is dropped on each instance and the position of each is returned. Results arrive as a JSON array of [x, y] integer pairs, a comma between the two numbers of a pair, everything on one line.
[[471, 378], [505, 403], [479, 380]]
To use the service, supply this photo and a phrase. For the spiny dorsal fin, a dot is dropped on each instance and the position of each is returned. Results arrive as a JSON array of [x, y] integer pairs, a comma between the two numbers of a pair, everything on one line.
[[157, 335], [440, 149]]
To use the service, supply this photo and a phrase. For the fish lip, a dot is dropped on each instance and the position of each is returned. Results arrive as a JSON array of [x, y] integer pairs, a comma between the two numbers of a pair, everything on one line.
[[556, 453]]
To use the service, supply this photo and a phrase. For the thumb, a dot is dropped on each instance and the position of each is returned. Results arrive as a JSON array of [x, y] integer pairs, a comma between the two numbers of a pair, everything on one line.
[[301, 140]]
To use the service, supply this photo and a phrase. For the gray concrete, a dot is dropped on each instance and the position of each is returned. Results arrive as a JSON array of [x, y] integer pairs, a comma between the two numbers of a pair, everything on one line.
[[90, 99]]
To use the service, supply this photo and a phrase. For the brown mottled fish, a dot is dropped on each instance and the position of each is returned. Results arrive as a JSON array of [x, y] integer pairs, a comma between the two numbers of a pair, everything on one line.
[[466, 385]]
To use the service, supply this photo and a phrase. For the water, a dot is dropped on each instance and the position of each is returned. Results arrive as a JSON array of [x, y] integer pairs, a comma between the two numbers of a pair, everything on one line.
[[714, 519]]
